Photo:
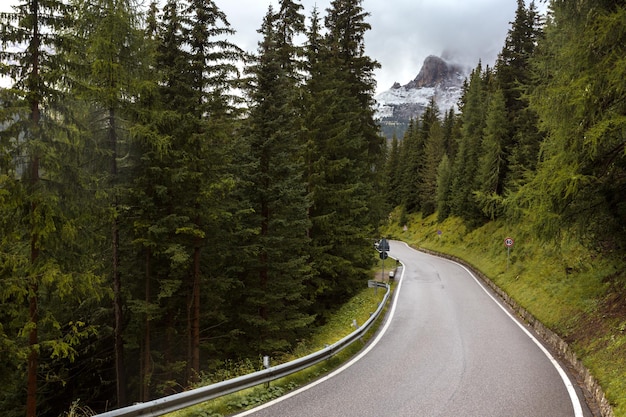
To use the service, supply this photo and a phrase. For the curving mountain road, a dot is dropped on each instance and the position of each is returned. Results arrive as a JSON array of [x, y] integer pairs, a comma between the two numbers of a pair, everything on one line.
[[447, 349]]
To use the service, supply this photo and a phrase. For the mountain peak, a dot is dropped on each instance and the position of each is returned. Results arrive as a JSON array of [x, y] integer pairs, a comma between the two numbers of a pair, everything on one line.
[[438, 79], [434, 72]]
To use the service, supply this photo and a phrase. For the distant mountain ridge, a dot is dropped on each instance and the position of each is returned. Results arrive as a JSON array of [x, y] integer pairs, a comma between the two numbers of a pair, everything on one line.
[[437, 78]]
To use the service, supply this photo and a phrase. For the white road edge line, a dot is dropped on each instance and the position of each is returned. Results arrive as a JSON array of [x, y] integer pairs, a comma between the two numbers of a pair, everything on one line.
[[344, 367], [578, 411]]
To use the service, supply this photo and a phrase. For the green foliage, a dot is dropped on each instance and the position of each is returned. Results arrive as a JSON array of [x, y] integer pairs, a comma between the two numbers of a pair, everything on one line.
[[444, 183], [491, 163], [579, 98], [48, 275], [465, 164], [343, 155], [273, 309], [129, 158], [434, 152], [392, 174]]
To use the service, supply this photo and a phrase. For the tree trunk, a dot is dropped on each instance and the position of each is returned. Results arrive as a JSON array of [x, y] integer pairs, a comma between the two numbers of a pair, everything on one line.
[[33, 313], [195, 326], [146, 373], [117, 282], [33, 336]]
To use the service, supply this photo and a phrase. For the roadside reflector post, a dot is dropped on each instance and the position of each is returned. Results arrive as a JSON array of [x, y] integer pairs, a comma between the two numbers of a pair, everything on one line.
[[508, 242]]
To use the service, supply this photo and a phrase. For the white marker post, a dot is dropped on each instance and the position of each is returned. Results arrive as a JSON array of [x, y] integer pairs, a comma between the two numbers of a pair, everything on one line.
[[508, 242]]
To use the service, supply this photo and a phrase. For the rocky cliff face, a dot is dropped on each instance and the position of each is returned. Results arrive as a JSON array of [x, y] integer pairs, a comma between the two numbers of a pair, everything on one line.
[[437, 78]]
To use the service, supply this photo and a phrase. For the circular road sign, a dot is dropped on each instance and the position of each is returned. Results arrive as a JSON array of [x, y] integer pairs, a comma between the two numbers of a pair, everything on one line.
[[508, 242]]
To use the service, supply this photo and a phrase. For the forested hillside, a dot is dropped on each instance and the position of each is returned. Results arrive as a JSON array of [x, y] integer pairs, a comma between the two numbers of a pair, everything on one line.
[[169, 202], [539, 137]]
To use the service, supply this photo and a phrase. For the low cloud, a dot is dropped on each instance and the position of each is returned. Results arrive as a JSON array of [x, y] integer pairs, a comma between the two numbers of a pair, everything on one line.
[[404, 32]]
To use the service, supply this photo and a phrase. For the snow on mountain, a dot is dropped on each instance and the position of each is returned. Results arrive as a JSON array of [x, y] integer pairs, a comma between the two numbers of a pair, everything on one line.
[[401, 103]]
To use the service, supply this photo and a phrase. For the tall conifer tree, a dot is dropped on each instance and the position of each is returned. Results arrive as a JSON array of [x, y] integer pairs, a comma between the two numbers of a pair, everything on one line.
[[108, 44], [41, 219], [274, 305], [491, 162], [431, 135], [345, 148], [392, 174], [465, 165], [514, 78], [433, 154], [412, 153], [199, 72]]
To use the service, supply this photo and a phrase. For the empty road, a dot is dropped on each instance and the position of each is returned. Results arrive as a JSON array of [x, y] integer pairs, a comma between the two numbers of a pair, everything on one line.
[[447, 349]]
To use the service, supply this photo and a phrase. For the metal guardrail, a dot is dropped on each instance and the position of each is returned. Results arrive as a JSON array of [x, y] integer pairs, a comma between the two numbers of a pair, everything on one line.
[[186, 399]]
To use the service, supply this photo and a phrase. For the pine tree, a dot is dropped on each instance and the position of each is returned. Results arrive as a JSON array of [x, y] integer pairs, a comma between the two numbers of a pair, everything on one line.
[[444, 184], [44, 276], [345, 147], [465, 165], [450, 133], [412, 151], [432, 138], [433, 153], [274, 305], [513, 76], [199, 72], [108, 66], [392, 174], [491, 164]]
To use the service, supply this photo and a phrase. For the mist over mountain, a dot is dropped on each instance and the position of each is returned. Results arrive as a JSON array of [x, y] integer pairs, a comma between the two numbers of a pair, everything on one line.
[[439, 78]]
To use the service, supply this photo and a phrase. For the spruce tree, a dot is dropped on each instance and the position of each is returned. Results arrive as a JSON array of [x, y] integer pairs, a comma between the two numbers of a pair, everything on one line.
[[491, 163], [46, 271], [434, 151], [431, 135], [392, 174], [413, 152], [273, 307], [465, 165], [345, 148], [514, 77], [444, 184], [199, 72], [107, 71]]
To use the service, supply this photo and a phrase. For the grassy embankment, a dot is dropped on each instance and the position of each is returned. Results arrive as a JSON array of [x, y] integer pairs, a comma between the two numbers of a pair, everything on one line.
[[359, 308], [578, 294]]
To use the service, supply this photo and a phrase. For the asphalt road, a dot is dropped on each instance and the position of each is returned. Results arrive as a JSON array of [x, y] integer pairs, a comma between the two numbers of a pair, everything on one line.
[[447, 349]]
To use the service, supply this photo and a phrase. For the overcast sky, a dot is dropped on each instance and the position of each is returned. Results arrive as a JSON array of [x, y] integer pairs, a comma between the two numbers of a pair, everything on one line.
[[404, 32]]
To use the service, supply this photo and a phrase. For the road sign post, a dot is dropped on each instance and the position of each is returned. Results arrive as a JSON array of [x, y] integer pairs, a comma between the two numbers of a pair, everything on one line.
[[508, 242], [383, 248]]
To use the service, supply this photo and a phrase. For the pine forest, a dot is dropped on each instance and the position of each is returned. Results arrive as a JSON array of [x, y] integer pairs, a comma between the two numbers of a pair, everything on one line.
[[170, 202]]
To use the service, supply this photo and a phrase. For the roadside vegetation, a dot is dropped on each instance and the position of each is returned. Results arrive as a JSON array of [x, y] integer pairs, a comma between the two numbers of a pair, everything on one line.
[[576, 292], [358, 308]]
